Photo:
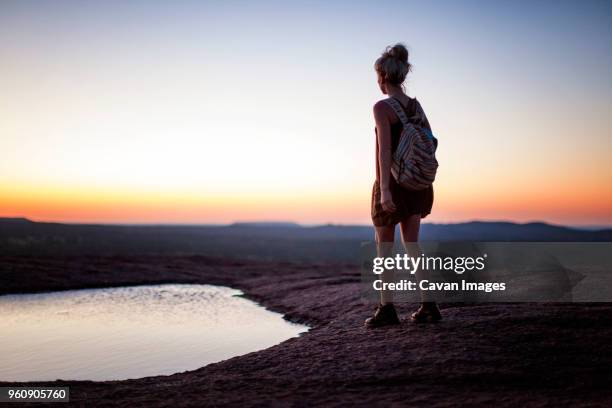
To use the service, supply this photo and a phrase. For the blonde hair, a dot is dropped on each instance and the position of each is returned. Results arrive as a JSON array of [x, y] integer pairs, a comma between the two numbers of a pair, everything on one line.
[[393, 64]]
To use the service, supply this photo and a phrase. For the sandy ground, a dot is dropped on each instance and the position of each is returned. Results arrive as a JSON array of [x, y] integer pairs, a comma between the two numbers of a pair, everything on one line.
[[484, 355]]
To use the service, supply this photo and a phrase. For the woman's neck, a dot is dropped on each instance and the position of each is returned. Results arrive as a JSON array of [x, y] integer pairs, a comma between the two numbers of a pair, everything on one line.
[[395, 92]]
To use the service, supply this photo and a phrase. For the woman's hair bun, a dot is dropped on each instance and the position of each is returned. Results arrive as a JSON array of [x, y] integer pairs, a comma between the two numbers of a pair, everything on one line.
[[398, 51], [393, 64]]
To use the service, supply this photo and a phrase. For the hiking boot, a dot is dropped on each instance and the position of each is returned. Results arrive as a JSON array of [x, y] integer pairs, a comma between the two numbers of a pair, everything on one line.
[[428, 312], [385, 315]]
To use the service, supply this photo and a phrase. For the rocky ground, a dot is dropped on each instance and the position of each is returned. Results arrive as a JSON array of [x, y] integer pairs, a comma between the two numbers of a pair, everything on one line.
[[479, 355]]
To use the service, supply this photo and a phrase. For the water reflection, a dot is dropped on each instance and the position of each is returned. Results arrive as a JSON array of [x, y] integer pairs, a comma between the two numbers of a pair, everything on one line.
[[130, 332]]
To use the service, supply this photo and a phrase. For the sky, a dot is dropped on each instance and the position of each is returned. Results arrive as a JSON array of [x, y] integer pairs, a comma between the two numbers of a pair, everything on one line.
[[222, 111]]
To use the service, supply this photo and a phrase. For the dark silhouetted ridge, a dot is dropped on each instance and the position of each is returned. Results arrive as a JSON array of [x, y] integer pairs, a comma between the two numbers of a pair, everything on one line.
[[15, 220], [283, 241], [269, 224]]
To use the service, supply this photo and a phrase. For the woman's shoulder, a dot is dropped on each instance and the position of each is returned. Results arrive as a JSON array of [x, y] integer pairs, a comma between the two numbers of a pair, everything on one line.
[[408, 101], [382, 108], [381, 104]]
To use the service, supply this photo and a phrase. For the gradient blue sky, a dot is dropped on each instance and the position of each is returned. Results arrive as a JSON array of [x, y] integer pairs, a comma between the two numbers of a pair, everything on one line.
[[183, 111]]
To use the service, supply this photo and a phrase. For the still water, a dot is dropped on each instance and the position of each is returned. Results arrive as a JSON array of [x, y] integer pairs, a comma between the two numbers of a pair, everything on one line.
[[131, 332]]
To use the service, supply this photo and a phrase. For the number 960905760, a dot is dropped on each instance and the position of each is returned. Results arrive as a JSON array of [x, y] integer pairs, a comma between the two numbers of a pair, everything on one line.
[[34, 394]]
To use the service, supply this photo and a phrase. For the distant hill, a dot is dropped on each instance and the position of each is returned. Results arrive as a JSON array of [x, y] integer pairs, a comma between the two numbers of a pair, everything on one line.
[[278, 241], [13, 221], [508, 231], [266, 224]]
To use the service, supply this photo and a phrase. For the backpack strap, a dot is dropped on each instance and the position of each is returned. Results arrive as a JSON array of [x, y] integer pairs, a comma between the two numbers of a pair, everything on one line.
[[399, 110]]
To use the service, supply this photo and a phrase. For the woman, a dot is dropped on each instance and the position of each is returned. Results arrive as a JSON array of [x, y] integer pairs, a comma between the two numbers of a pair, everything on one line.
[[391, 204]]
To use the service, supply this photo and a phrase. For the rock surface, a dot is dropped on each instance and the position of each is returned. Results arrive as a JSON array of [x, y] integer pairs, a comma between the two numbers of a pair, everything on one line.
[[479, 355]]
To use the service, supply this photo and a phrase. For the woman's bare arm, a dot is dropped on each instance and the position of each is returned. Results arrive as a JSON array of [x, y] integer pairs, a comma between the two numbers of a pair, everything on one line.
[[383, 133]]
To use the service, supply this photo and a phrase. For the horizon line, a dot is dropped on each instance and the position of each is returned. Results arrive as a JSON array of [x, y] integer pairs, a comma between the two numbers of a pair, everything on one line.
[[295, 224]]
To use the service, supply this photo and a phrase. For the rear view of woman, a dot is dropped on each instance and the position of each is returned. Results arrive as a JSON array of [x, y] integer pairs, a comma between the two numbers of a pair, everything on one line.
[[392, 204]]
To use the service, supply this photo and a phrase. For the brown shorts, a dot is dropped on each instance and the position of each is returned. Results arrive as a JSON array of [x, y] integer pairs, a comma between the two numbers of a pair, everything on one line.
[[407, 203]]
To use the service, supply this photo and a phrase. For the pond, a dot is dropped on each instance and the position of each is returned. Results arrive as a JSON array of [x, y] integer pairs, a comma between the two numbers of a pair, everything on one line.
[[131, 332]]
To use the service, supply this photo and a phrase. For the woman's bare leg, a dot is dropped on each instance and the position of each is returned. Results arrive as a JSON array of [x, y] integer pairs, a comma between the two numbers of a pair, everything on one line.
[[410, 228], [410, 236], [384, 248], [385, 314]]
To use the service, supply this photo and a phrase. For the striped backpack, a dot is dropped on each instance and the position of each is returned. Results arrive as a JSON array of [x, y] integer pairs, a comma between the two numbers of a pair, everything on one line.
[[414, 163]]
